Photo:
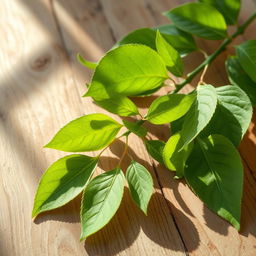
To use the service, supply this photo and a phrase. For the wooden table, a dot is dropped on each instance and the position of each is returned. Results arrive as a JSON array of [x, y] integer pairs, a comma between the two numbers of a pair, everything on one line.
[[40, 91]]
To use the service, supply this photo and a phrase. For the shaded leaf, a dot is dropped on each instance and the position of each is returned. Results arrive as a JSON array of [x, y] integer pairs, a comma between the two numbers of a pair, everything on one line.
[[63, 181], [199, 19], [155, 149], [140, 184], [87, 133], [135, 128], [100, 201], [215, 173]]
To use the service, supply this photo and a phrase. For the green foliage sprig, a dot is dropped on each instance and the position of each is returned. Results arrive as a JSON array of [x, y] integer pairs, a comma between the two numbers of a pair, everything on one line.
[[207, 124]]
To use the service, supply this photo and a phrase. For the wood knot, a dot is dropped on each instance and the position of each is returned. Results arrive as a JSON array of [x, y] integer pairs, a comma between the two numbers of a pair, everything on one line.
[[41, 63]]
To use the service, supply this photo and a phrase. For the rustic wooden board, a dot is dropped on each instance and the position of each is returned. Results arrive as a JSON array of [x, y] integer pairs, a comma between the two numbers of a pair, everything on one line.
[[40, 89]]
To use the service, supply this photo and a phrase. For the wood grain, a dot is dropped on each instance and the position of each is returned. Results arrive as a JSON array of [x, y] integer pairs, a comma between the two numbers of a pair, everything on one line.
[[40, 91]]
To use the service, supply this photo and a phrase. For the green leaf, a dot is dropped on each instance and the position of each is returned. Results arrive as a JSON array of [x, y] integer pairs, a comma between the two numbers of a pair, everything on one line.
[[87, 133], [101, 199], [155, 149], [215, 173], [127, 70], [135, 128], [246, 53], [228, 8], [170, 56], [180, 40], [199, 114], [239, 77], [183, 42], [86, 63], [140, 184], [168, 108], [63, 181], [173, 159], [119, 105], [199, 19], [233, 114], [176, 126]]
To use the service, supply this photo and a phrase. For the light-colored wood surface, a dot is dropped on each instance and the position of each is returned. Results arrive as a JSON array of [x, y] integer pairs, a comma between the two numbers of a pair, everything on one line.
[[40, 91]]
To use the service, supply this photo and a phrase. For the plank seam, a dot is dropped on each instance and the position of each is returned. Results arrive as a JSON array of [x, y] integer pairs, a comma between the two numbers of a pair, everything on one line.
[[170, 210]]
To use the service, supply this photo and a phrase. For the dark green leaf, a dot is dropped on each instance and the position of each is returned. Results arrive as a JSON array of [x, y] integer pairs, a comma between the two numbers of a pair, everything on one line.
[[63, 181], [100, 201], [173, 158], [246, 53], [200, 113], [135, 128], [239, 77], [215, 173], [155, 149], [233, 114], [199, 19], [127, 70], [140, 184], [170, 56], [87, 133], [119, 105], [86, 63], [168, 108], [228, 8]]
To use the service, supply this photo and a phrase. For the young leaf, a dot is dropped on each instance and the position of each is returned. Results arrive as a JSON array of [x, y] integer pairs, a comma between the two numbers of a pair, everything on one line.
[[63, 181], [180, 40], [155, 149], [100, 201], [246, 53], [199, 19], [86, 63], [119, 105], [199, 114], [170, 56], [140, 184], [232, 116], [87, 133], [135, 128], [168, 108], [238, 77], [127, 70], [228, 8], [173, 159], [215, 173]]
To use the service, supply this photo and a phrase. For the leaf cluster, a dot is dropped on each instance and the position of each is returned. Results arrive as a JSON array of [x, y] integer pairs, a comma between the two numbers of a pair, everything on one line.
[[206, 125]]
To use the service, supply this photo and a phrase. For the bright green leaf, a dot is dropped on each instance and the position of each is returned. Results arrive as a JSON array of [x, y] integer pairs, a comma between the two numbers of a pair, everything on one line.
[[63, 181], [199, 19], [119, 105], [239, 77], [173, 159], [200, 113], [86, 63], [101, 199], [215, 173], [170, 56], [127, 70], [135, 128], [233, 114], [246, 53], [228, 8], [140, 184], [155, 149], [87, 133], [168, 108]]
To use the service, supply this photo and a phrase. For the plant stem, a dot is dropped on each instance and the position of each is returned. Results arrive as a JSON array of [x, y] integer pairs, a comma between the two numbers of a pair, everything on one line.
[[240, 30], [124, 152]]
